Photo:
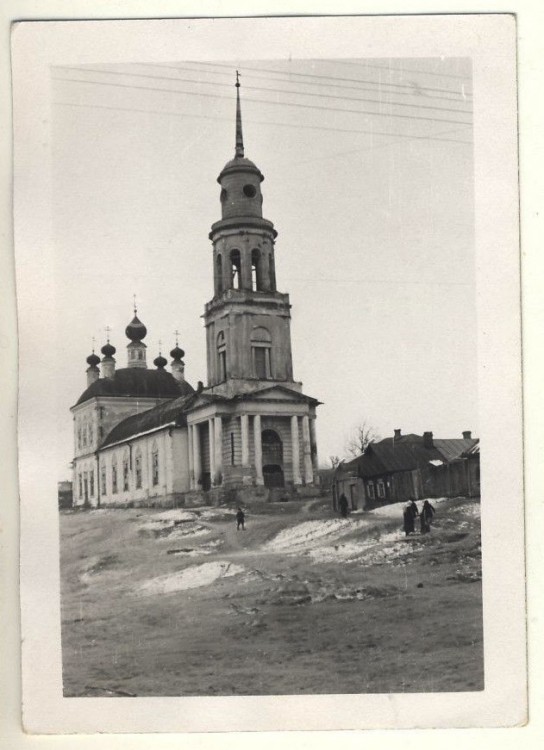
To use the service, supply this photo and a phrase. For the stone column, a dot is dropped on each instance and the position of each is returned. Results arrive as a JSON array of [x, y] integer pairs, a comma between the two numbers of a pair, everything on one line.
[[295, 451], [218, 449], [258, 449], [307, 451], [190, 456], [211, 444], [244, 429], [196, 457], [313, 446]]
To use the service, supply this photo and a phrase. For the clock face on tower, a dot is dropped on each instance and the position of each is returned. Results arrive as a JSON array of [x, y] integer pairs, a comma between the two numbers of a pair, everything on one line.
[[250, 191]]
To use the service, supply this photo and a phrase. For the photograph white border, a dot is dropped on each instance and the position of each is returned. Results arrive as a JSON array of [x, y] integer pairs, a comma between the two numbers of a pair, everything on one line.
[[506, 583]]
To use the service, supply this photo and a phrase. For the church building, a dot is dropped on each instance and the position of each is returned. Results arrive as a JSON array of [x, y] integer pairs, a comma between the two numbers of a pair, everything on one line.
[[147, 437]]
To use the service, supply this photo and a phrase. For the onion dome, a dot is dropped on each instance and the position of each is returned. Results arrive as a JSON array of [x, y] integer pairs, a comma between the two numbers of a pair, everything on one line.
[[136, 331], [160, 362], [177, 353], [93, 360], [108, 350]]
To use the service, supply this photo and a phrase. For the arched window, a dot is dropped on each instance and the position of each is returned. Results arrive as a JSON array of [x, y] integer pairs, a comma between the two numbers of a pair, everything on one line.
[[236, 269], [271, 273], [103, 486], [261, 344], [114, 475], [155, 465], [125, 473], [91, 483], [256, 271], [221, 356], [219, 274], [138, 469]]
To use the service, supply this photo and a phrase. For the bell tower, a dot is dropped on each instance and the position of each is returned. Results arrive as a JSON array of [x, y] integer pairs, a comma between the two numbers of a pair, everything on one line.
[[247, 321]]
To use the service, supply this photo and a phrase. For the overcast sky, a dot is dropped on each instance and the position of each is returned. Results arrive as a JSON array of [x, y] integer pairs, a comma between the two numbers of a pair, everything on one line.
[[368, 171]]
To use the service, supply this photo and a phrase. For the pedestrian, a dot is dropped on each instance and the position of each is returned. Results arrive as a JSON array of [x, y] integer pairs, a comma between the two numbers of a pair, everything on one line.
[[408, 519], [343, 505], [426, 517], [240, 520], [414, 509]]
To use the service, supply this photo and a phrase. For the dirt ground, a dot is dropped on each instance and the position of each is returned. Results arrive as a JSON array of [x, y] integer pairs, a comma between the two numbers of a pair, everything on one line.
[[178, 602]]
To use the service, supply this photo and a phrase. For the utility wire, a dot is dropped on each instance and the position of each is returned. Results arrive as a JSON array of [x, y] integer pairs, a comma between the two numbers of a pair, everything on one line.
[[264, 101], [241, 66], [360, 87], [265, 122], [268, 89], [399, 71]]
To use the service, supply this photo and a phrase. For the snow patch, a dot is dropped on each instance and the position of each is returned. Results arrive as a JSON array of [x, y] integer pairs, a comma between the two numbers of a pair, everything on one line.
[[190, 578], [307, 533]]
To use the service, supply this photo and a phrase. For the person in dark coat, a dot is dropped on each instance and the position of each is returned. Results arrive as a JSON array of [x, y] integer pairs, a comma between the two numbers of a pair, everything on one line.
[[240, 520], [414, 509], [408, 519], [426, 517], [343, 505]]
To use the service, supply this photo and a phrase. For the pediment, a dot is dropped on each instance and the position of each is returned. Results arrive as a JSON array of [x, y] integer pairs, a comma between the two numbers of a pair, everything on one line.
[[277, 393]]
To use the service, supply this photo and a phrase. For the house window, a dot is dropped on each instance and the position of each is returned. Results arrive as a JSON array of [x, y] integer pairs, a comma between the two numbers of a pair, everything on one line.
[[261, 343], [381, 489], [232, 448], [155, 466], [80, 485], [221, 356], [103, 488], [91, 483], [370, 490], [138, 468], [79, 437], [125, 474], [114, 476]]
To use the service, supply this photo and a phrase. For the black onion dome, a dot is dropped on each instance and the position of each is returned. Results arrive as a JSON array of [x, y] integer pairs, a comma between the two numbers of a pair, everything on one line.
[[177, 353], [138, 383], [160, 362], [108, 350], [136, 331], [93, 360]]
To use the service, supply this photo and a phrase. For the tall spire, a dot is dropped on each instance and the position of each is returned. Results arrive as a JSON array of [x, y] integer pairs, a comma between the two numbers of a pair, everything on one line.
[[239, 150]]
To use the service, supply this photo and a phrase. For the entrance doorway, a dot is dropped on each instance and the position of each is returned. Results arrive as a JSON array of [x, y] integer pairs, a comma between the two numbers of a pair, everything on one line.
[[272, 459]]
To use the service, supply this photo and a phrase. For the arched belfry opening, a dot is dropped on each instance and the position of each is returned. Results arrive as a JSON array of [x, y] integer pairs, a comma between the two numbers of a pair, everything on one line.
[[221, 357], [272, 448], [218, 274], [236, 269], [257, 281]]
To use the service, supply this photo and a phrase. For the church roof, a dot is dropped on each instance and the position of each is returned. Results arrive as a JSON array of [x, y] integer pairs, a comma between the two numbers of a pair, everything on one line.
[[171, 412], [138, 383]]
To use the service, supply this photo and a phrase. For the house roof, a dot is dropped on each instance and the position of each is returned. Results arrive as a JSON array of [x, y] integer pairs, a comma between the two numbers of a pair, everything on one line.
[[452, 449], [138, 382], [171, 412]]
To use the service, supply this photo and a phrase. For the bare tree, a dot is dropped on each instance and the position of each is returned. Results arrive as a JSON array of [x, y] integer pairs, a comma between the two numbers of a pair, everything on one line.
[[335, 460], [364, 435]]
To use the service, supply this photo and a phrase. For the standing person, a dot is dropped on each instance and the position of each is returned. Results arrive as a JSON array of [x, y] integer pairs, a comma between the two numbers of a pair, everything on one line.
[[414, 509], [343, 505], [408, 519], [426, 517], [240, 520]]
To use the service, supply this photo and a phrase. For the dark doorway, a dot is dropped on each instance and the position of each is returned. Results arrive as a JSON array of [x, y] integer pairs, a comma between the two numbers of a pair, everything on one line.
[[272, 459], [206, 480]]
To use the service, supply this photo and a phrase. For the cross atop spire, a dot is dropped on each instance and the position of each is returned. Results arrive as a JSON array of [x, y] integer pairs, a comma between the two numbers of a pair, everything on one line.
[[94, 343], [108, 331], [160, 345], [176, 334], [239, 148], [134, 304]]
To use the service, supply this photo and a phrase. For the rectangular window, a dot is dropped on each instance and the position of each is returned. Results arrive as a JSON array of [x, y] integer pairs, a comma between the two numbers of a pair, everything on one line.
[[370, 489], [114, 478], [381, 489], [80, 485], [260, 362], [91, 483], [103, 489], [232, 448], [222, 365], [138, 472], [125, 475], [155, 467]]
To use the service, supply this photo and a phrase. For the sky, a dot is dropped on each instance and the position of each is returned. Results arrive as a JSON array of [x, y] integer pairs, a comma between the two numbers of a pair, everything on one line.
[[368, 169]]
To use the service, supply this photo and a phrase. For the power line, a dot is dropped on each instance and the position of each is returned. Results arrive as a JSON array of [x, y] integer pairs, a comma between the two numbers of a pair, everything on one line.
[[241, 66], [264, 101], [264, 122], [399, 70], [268, 89], [360, 87]]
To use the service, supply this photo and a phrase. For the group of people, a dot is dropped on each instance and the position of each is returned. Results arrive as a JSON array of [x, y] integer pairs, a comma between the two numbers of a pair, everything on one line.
[[411, 512]]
